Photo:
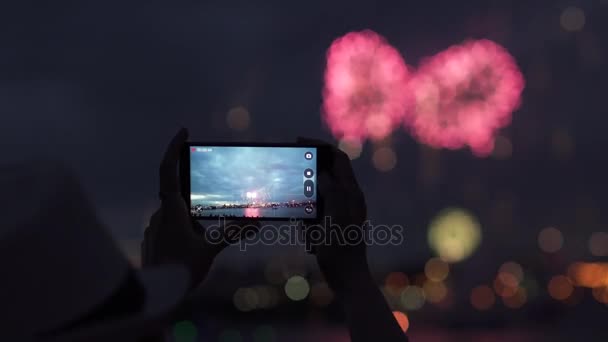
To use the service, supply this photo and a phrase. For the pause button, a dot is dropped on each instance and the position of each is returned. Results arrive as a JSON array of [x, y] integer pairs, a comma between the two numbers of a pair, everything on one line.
[[309, 188]]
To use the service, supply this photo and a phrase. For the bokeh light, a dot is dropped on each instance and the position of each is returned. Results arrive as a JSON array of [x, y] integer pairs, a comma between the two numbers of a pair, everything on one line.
[[321, 295], [238, 118], [503, 149], [505, 285], [230, 336], [184, 331], [454, 234], [434, 292], [560, 287], [384, 159], [365, 93], [245, 299], [463, 95], [395, 282], [511, 273], [517, 300], [412, 298], [402, 319], [297, 288], [482, 298], [352, 148], [598, 244], [264, 333], [550, 240], [590, 275], [436, 269], [600, 294], [572, 19]]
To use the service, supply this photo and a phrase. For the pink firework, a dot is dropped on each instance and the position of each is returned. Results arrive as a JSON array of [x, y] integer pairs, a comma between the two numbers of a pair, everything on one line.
[[365, 94], [463, 95]]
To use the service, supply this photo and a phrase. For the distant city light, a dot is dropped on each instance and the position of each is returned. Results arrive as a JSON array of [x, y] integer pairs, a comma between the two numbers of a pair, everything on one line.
[[482, 298], [454, 234], [412, 298], [402, 319], [598, 244], [297, 288], [365, 93], [505, 285], [572, 19], [384, 159], [560, 287], [238, 118], [550, 240], [436, 269]]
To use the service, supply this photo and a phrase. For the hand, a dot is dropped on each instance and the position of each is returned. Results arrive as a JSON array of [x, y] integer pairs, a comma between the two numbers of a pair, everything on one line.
[[344, 204], [172, 235]]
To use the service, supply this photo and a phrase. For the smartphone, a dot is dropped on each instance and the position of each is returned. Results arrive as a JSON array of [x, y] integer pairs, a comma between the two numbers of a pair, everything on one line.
[[245, 181]]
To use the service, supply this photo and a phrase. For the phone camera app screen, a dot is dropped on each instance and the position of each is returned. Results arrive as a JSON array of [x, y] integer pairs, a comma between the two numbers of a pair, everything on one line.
[[257, 182]]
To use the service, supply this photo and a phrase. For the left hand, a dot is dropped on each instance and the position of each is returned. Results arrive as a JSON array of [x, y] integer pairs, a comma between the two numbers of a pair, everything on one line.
[[172, 235]]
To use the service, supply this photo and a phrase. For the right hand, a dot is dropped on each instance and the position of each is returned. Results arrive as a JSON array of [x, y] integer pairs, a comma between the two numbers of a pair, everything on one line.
[[344, 203]]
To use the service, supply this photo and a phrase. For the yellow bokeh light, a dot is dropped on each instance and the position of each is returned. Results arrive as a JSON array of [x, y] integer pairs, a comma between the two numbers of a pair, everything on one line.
[[402, 319], [436, 269], [482, 298], [384, 159], [297, 288], [454, 235], [238, 118], [572, 19], [412, 298], [550, 240], [598, 244], [352, 148]]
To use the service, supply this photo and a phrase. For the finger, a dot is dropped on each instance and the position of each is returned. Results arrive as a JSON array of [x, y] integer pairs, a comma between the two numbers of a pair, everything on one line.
[[169, 180], [343, 170]]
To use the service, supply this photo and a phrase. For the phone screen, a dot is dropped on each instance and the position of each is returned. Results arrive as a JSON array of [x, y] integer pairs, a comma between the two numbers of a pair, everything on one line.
[[253, 182]]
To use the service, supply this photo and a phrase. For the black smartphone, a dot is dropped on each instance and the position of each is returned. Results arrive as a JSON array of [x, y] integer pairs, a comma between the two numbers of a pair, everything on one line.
[[241, 181]]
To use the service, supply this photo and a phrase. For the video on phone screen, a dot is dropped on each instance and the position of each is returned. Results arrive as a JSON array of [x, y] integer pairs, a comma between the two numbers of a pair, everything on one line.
[[261, 182]]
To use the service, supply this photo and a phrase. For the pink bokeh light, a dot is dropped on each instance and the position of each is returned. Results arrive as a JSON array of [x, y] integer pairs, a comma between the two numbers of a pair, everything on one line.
[[366, 87], [463, 95]]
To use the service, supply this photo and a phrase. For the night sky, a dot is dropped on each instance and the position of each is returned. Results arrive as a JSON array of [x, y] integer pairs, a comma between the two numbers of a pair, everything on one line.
[[104, 85]]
